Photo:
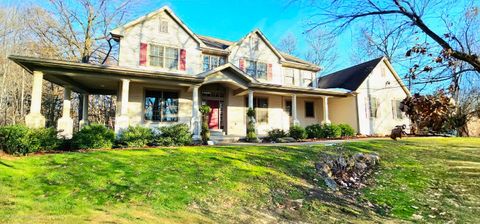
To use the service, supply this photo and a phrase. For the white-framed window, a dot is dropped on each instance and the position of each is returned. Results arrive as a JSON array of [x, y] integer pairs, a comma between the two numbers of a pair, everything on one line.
[[260, 105], [373, 106], [164, 57], [211, 61], [288, 77], [307, 78], [254, 42], [161, 106], [396, 112], [164, 26], [257, 69]]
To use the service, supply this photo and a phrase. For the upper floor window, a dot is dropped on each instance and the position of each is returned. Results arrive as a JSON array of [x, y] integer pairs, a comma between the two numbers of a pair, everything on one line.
[[307, 79], [257, 69], [164, 26], [254, 42], [289, 78], [210, 62], [164, 57]]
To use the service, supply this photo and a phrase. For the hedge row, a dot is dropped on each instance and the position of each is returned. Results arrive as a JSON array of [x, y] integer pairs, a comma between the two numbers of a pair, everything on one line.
[[313, 131], [21, 140]]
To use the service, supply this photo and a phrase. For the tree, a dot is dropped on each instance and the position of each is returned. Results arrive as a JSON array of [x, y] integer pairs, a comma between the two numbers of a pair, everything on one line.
[[321, 49], [429, 113], [82, 29], [288, 44]]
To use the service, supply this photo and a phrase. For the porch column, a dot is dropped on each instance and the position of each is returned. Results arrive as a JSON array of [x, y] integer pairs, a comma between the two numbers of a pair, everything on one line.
[[84, 120], [326, 119], [195, 123], [35, 119], [294, 110], [122, 121], [65, 123], [250, 99]]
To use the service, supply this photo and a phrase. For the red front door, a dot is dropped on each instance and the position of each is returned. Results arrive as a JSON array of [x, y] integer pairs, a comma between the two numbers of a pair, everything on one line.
[[213, 121]]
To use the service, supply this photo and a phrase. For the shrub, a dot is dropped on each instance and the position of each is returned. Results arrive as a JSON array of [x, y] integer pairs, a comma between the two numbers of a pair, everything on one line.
[[136, 136], [314, 131], [205, 132], [174, 135], [251, 135], [20, 140], [346, 130], [331, 131], [47, 138], [297, 132], [93, 136], [275, 134]]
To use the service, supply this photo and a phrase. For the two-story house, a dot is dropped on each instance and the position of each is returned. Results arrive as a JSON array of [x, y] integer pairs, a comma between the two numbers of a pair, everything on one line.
[[166, 72]]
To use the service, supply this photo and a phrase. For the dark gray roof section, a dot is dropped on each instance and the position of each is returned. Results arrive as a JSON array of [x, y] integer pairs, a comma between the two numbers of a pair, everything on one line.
[[350, 78], [215, 42]]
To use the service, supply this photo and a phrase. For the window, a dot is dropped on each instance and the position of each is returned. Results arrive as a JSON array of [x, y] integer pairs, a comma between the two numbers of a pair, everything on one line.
[[288, 107], [261, 70], [309, 109], [164, 57], [210, 62], [161, 106], [163, 26], [373, 107], [261, 109], [288, 74], [257, 69], [254, 42], [307, 79], [396, 112]]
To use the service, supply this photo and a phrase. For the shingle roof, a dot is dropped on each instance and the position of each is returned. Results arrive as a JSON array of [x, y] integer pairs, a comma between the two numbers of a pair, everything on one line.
[[350, 78], [215, 42], [224, 44]]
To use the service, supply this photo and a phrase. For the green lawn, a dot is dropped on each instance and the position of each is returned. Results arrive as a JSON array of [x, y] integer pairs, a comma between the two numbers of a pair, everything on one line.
[[420, 179]]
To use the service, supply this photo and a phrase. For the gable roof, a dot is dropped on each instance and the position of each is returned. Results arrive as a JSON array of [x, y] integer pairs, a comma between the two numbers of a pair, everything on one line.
[[260, 34], [351, 78], [241, 74], [118, 32]]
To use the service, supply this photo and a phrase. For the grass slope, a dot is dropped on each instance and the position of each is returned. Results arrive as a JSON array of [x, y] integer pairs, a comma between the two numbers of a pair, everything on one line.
[[420, 179]]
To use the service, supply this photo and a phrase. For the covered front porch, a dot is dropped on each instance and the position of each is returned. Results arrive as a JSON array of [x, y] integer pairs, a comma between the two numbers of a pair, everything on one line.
[[153, 99]]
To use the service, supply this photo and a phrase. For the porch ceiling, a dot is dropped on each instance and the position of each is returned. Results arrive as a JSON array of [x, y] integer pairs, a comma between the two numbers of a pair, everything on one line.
[[97, 79], [102, 79]]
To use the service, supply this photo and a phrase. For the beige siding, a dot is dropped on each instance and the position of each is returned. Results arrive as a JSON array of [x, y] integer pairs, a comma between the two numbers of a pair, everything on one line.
[[385, 89], [343, 111], [236, 115], [148, 31]]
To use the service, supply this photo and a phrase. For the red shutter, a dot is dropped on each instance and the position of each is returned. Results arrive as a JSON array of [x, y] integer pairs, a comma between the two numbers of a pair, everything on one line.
[[143, 54], [269, 72], [183, 59], [242, 64]]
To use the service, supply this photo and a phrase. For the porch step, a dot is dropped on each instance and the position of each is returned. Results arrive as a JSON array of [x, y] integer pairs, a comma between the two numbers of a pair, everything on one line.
[[222, 139], [217, 132]]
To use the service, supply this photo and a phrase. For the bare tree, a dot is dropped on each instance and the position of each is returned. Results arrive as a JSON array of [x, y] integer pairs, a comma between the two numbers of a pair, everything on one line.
[[81, 28], [321, 50], [288, 44]]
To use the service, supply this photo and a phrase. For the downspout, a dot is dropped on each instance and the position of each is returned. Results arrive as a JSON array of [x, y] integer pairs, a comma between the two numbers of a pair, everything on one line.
[[358, 115]]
